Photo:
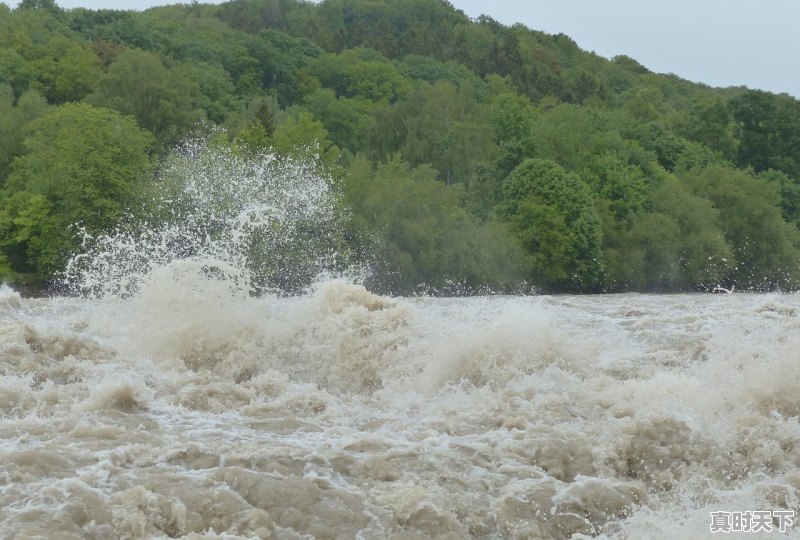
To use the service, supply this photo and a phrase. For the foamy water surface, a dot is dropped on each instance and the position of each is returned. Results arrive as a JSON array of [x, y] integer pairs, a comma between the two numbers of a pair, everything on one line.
[[186, 411]]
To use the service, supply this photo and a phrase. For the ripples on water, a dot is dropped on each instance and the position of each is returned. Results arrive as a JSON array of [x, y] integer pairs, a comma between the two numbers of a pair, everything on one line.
[[189, 408]]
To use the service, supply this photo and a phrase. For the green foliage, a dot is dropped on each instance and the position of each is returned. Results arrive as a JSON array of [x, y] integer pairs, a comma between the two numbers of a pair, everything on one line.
[[709, 122], [644, 104], [604, 174], [6, 273], [303, 135], [346, 119], [698, 256], [216, 94], [12, 69], [550, 211], [299, 135], [424, 68], [393, 28], [82, 165], [251, 16], [473, 45], [139, 84], [282, 64], [769, 131], [45, 5], [764, 246], [678, 245], [790, 194], [15, 122], [566, 133], [361, 72], [437, 124], [422, 233], [512, 120], [62, 70], [620, 183]]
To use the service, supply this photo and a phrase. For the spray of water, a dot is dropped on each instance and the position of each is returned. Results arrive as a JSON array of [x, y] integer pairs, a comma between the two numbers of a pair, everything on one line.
[[248, 223]]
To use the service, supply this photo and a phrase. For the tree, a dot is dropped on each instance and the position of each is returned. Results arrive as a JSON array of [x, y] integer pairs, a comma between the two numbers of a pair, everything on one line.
[[512, 121], [347, 119], [709, 122], [629, 155], [436, 124], [282, 64], [305, 136], [138, 84], [754, 114], [216, 93], [790, 194], [622, 184], [550, 211], [472, 47], [766, 248], [566, 133], [44, 5], [643, 104], [363, 73], [15, 122], [422, 235], [13, 69], [683, 241], [393, 28], [83, 166], [678, 245], [424, 68], [768, 128], [63, 70]]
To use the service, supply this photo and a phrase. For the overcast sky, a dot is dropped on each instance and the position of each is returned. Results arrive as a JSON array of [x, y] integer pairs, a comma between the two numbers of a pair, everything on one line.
[[717, 42]]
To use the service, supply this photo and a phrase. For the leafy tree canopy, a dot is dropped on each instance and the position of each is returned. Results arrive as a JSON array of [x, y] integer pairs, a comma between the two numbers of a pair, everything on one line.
[[83, 166], [472, 152]]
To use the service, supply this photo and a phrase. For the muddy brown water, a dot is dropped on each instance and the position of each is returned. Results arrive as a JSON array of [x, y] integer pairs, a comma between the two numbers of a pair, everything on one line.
[[193, 413]]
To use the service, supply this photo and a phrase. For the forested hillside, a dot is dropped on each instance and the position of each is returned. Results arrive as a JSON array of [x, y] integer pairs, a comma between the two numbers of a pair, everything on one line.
[[471, 155]]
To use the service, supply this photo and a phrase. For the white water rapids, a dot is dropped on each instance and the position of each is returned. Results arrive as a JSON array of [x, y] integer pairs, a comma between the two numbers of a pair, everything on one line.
[[172, 403], [341, 414]]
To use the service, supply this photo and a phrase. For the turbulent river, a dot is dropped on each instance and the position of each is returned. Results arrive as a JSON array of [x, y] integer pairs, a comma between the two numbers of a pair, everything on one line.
[[169, 393], [341, 414]]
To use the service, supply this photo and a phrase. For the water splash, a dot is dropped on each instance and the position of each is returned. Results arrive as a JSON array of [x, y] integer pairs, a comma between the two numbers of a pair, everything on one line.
[[249, 224]]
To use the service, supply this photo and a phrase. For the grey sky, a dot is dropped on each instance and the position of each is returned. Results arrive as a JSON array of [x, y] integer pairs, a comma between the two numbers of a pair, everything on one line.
[[717, 42]]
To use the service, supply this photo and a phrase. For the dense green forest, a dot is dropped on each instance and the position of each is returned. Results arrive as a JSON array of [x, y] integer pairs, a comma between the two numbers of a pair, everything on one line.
[[471, 155]]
